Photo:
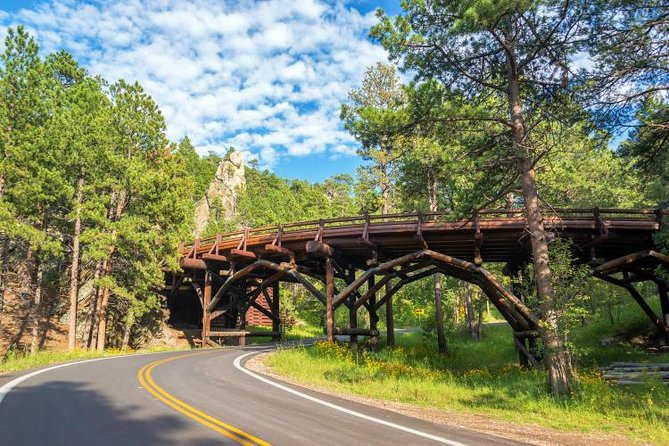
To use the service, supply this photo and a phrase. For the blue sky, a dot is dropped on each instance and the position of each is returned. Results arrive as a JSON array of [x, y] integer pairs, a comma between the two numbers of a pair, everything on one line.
[[266, 77]]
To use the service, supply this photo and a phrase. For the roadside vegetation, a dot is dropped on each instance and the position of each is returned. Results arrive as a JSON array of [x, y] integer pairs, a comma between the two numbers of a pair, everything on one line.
[[18, 361], [484, 378]]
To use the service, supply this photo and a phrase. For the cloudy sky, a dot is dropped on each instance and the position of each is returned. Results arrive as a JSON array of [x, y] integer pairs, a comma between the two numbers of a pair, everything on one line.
[[267, 77]]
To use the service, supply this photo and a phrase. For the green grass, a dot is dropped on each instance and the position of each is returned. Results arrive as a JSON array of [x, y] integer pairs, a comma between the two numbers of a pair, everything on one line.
[[293, 333], [15, 362], [483, 378]]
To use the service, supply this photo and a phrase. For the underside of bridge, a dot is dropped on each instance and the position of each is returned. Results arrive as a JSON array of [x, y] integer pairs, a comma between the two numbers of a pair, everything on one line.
[[364, 261]]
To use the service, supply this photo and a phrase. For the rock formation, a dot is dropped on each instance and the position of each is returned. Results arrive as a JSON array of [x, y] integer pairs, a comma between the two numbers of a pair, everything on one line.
[[220, 200]]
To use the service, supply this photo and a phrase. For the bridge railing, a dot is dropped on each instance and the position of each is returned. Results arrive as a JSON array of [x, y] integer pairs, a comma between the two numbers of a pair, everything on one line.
[[603, 214]]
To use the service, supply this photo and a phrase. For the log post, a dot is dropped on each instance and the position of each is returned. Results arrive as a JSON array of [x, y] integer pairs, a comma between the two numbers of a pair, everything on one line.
[[390, 322], [520, 343], [439, 315], [664, 301], [276, 322], [373, 318], [329, 296], [206, 299], [352, 311]]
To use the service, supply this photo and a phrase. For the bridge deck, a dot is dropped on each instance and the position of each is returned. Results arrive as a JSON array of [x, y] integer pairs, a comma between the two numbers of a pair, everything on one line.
[[499, 237], [232, 271]]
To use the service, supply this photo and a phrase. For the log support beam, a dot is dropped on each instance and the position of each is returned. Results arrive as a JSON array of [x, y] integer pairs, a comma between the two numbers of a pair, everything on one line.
[[373, 317], [206, 298], [352, 311], [276, 321], [661, 326], [329, 296], [390, 322]]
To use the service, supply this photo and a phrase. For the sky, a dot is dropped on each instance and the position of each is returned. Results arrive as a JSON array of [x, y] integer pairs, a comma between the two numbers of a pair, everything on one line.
[[267, 77]]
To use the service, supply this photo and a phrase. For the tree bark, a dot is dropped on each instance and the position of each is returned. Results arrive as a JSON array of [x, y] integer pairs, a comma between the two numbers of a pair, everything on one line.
[[127, 329], [560, 372], [119, 199], [385, 190], [91, 324], [37, 306], [470, 313], [74, 269], [439, 315], [432, 187], [102, 316]]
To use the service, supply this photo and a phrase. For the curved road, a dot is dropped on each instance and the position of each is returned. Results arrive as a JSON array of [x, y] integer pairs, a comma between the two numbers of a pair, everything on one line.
[[195, 398]]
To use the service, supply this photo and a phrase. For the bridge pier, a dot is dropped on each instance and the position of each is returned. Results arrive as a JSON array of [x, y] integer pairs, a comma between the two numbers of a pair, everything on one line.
[[329, 296], [373, 317], [352, 311], [206, 299], [390, 322], [276, 307]]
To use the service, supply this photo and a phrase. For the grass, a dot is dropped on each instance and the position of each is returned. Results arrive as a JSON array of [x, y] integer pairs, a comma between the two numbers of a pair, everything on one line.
[[483, 378], [15, 362], [18, 361], [293, 333]]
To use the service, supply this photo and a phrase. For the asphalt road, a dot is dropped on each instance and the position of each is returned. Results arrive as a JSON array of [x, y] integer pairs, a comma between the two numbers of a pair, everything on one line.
[[196, 398]]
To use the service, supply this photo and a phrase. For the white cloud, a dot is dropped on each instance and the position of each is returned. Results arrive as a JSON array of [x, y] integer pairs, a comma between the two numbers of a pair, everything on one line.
[[267, 77]]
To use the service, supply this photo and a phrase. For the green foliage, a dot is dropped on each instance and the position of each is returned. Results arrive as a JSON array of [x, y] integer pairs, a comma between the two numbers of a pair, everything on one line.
[[270, 200], [68, 128], [480, 378]]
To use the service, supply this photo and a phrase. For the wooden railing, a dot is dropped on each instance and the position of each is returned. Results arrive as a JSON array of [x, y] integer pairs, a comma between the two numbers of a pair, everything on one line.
[[417, 218]]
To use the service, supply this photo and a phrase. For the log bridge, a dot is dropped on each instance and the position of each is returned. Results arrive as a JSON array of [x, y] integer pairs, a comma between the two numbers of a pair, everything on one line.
[[363, 261]]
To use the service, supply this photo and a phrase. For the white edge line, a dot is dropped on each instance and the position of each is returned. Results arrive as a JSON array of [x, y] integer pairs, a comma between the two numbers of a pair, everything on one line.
[[238, 365], [5, 389]]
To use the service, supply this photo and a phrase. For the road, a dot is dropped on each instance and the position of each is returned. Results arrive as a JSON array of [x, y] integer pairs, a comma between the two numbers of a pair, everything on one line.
[[196, 398]]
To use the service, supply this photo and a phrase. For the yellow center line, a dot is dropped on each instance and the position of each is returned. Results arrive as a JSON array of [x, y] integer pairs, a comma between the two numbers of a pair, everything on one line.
[[146, 380]]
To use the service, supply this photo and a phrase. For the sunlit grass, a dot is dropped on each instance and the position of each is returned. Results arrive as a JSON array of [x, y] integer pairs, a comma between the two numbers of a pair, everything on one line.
[[18, 361], [484, 378]]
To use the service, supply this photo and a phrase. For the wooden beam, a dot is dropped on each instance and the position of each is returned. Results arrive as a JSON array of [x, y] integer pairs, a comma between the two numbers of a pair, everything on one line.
[[329, 295], [214, 258], [662, 328], [319, 248], [242, 254], [206, 320], [373, 318], [276, 310], [188, 263], [380, 269], [390, 322], [352, 311]]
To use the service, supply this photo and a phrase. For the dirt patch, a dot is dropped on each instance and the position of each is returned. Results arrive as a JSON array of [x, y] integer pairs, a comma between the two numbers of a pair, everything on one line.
[[527, 433]]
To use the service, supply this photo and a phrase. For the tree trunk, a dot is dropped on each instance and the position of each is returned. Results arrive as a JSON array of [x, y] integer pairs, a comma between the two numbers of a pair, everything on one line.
[[510, 199], [102, 318], [385, 190], [560, 372], [119, 200], [470, 313], [439, 315], [37, 307], [432, 187], [74, 269], [4, 267], [127, 329], [91, 323]]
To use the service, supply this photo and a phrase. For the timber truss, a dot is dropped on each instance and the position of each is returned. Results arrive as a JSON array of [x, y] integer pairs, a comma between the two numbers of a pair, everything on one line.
[[371, 258]]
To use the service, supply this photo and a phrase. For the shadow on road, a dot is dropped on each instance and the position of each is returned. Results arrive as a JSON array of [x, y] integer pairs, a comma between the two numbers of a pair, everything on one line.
[[66, 413]]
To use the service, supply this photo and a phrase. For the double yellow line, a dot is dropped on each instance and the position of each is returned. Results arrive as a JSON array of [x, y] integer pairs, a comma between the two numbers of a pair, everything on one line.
[[145, 379]]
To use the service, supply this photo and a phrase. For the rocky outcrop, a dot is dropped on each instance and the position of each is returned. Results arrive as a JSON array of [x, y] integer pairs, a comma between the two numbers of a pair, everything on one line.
[[220, 200]]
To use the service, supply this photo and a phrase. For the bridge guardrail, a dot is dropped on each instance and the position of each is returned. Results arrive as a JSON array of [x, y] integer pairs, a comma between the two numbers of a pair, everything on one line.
[[199, 245]]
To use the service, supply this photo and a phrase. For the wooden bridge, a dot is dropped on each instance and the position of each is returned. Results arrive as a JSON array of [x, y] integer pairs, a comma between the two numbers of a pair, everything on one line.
[[363, 261]]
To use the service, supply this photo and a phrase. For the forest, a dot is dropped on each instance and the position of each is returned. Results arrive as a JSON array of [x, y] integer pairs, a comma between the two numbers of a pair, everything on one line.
[[510, 104]]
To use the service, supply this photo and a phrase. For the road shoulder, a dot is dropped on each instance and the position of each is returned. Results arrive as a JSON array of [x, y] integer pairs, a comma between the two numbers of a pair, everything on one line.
[[528, 433]]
